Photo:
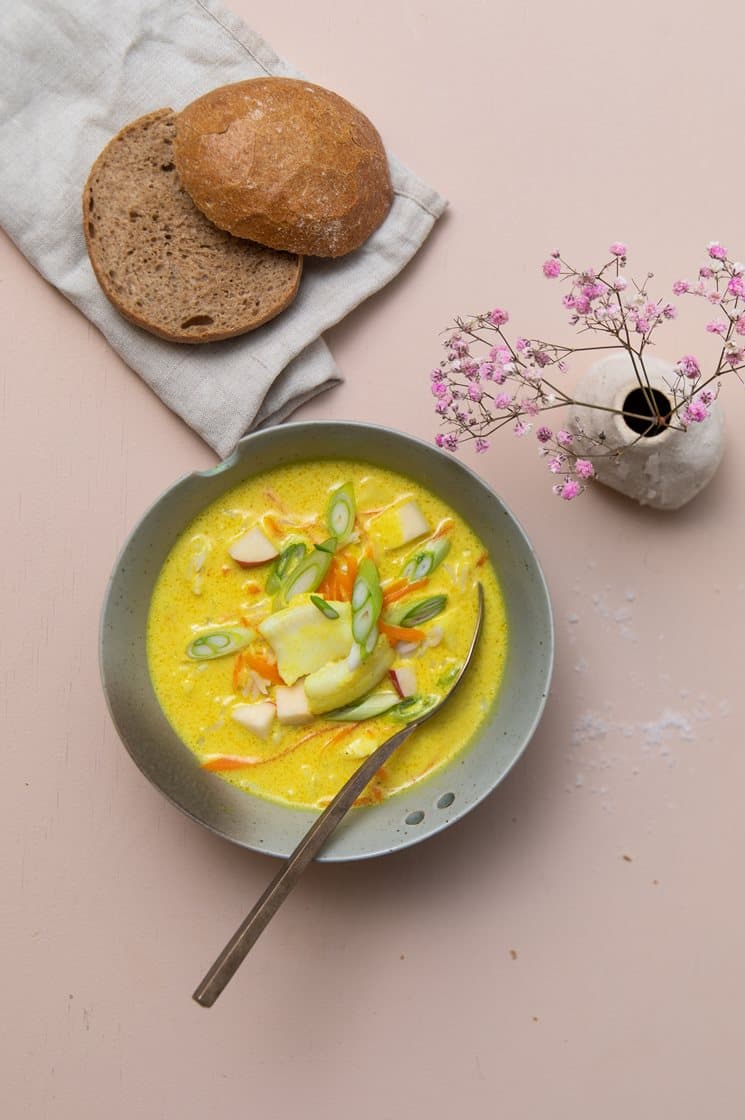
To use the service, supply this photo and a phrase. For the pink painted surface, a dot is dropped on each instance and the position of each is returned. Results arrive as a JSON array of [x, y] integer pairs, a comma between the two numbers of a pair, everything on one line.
[[571, 949]]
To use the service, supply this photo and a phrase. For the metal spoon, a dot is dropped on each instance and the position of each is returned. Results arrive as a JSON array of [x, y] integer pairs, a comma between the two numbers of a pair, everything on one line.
[[267, 906]]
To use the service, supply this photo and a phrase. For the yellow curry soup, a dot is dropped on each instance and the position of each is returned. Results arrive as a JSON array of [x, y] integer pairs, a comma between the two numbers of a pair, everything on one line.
[[308, 614]]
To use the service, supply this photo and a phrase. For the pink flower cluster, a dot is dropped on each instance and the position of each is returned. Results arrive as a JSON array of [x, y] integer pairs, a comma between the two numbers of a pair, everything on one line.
[[487, 381], [721, 283], [596, 303]]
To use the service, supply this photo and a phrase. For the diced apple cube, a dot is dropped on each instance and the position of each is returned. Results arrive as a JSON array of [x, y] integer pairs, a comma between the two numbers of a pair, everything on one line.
[[252, 548], [405, 681], [256, 717], [393, 528], [292, 704]]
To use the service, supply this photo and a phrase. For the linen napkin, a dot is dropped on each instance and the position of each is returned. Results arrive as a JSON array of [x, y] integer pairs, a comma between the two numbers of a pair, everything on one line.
[[72, 73]]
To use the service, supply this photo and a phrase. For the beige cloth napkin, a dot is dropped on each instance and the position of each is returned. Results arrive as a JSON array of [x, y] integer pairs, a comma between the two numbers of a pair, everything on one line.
[[72, 72]]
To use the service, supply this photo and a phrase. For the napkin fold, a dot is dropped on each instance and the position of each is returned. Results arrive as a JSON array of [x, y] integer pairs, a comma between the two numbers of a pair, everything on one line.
[[72, 73]]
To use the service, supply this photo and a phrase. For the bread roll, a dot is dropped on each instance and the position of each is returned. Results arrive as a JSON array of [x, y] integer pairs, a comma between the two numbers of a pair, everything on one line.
[[160, 262], [285, 163]]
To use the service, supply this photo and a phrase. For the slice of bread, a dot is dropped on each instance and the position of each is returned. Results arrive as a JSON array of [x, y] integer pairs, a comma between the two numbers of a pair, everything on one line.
[[162, 264], [286, 163]]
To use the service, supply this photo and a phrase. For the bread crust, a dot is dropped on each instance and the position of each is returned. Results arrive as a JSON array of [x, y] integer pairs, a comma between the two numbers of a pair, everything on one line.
[[286, 163], [160, 262]]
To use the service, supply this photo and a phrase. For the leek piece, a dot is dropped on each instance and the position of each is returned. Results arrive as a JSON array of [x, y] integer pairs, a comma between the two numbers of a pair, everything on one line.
[[360, 594], [341, 512], [219, 642], [372, 705], [283, 565], [449, 675], [424, 561], [308, 574], [413, 707], [367, 603], [325, 608], [421, 611]]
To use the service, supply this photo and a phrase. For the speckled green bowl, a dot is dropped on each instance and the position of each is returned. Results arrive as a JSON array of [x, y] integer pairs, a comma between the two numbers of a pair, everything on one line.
[[410, 816]]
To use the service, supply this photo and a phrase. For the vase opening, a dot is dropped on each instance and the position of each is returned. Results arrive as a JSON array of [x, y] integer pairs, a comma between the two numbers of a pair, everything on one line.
[[640, 415]]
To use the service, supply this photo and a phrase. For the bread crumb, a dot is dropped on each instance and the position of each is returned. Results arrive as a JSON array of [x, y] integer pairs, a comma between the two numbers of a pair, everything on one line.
[[513, 954], [626, 858]]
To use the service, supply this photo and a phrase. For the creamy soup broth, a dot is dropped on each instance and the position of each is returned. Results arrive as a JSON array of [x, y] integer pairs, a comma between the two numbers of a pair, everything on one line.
[[204, 593]]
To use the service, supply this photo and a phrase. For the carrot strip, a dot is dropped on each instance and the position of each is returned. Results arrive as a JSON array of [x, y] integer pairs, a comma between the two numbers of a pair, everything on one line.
[[373, 796], [261, 662], [346, 575], [218, 762], [339, 580], [239, 667], [443, 528], [393, 585], [394, 593], [264, 665], [275, 499], [327, 588], [345, 730], [237, 761], [401, 633], [312, 735]]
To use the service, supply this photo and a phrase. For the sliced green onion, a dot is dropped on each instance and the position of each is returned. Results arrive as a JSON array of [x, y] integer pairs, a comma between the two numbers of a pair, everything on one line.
[[360, 594], [421, 611], [219, 642], [367, 603], [325, 608], [341, 512], [374, 704], [363, 621], [424, 561], [283, 565], [413, 707], [329, 545], [449, 675], [308, 574]]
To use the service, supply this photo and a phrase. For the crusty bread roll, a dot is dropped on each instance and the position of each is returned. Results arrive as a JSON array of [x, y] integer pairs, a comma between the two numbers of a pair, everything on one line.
[[160, 262], [285, 163]]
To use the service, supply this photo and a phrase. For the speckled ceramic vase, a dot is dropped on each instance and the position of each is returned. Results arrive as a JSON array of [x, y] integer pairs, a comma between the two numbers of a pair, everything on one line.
[[664, 469]]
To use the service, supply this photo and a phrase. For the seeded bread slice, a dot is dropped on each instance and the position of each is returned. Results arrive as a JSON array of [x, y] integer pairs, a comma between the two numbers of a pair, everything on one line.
[[162, 264]]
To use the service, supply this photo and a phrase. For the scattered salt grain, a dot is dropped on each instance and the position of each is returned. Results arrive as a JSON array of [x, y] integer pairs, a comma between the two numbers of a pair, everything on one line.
[[669, 720]]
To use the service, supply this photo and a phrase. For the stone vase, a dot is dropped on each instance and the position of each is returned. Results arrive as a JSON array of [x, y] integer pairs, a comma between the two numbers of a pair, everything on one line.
[[664, 468]]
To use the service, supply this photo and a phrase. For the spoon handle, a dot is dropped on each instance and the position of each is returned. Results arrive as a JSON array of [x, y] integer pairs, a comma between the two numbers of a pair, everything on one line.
[[267, 906]]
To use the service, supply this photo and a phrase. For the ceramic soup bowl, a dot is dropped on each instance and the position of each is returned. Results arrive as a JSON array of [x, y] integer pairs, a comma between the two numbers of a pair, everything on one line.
[[405, 818]]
